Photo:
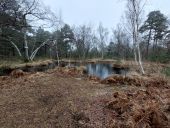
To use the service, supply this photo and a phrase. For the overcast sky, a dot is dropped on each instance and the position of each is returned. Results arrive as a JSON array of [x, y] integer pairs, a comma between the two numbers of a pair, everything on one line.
[[109, 12]]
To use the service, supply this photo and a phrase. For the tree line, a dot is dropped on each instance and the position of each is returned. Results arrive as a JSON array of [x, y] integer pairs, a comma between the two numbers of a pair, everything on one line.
[[24, 35]]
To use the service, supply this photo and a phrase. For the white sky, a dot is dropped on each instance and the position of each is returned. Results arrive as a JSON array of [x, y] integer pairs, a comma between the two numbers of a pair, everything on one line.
[[109, 12]]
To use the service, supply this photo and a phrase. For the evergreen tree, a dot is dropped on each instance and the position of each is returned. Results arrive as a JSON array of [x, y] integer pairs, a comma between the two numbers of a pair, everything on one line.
[[155, 27], [64, 38]]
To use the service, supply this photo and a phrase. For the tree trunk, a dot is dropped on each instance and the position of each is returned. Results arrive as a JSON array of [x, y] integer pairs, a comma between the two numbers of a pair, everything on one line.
[[156, 48], [84, 55], [135, 55], [24, 30], [46, 50], [134, 47], [134, 11], [102, 54], [36, 50], [15, 46], [70, 60], [57, 51], [148, 43], [140, 60], [26, 46], [138, 48], [58, 59], [168, 46]]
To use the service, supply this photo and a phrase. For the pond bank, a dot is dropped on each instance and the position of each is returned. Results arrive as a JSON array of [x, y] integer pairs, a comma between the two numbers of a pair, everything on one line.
[[42, 66], [51, 64]]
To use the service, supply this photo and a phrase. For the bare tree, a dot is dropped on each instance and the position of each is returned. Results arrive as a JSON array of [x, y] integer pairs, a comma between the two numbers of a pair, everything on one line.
[[121, 40], [84, 37], [103, 36], [29, 13], [134, 16]]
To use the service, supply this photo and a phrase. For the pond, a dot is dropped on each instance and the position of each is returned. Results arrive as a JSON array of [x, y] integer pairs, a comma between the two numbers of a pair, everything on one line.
[[103, 70]]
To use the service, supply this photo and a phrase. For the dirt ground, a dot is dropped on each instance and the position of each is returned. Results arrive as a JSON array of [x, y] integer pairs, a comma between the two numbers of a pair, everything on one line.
[[55, 100]]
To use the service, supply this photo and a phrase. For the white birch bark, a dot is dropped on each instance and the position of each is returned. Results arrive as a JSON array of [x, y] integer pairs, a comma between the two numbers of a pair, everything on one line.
[[136, 11], [15, 46], [58, 59], [36, 50], [25, 43]]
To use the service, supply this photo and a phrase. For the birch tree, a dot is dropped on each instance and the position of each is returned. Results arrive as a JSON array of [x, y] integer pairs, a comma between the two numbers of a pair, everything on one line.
[[134, 17], [103, 36], [23, 17], [31, 11]]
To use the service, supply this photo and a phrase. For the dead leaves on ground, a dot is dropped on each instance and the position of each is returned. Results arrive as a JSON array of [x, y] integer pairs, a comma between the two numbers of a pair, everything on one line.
[[140, 109], [71, 71], [136, 81]]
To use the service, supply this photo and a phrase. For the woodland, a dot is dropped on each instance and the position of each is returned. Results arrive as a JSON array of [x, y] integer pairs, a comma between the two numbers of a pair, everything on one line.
[[57, 75]]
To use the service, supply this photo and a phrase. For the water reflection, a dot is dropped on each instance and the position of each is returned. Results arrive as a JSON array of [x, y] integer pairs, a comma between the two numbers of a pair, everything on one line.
[[100, 70], [103, 70]]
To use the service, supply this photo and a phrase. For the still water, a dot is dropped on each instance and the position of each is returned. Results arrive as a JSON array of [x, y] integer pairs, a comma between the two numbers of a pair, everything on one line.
[[103, 70]]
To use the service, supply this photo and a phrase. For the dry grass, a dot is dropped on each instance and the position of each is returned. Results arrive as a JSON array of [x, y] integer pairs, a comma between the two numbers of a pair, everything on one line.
[[16, 64]]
